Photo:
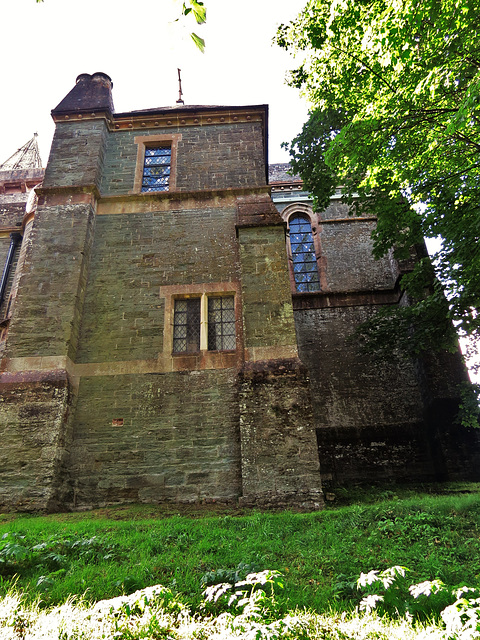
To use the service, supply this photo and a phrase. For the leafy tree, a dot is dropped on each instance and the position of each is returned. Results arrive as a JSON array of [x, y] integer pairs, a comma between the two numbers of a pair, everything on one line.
[[395, 94]]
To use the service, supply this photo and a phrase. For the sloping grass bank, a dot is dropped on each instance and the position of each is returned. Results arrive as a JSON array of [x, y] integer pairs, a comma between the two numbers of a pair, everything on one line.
[[104, 554]]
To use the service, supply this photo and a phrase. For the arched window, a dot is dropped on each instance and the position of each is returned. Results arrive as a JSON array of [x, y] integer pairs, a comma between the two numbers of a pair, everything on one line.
[[305, 270]]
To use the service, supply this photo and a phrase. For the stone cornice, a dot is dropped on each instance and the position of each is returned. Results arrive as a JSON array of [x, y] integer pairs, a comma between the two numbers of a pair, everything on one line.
[[183, 118], [349, 219], [82, 115], [156, 201], [11, 184], [172, 118], [51, 196]]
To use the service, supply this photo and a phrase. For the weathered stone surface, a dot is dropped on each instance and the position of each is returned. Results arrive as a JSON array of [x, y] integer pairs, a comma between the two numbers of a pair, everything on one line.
[[219, 156], [279, 457], [77, 155], [133, 256], [35, 432], [268, 314], [347, 249], [178, 439], [96, 407], [51, 291]]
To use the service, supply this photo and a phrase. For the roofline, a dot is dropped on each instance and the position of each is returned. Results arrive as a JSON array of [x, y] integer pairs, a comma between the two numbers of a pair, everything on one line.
[[190, 109], [174, 117]]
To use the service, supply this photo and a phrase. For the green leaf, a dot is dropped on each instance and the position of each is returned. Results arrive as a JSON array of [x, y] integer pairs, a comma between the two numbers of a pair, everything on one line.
[[199, 11], [199, 42]]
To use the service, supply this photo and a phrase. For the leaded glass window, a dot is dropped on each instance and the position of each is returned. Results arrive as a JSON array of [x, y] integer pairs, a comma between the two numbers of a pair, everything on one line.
[[186, 325], [221, 323], [305, 270], [9, 272], [156, 169]]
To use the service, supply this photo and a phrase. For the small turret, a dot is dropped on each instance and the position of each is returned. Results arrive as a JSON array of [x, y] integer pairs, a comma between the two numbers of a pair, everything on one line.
[[90, 93]]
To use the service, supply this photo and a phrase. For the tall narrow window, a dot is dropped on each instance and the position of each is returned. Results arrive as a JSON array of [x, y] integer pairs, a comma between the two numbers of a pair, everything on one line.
[[156, 169], [186, 325], [305, 270], [221, 323], [7, 277]]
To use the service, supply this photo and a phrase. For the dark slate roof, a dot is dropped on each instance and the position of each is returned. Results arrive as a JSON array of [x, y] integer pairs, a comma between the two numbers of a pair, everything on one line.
[[191, 107], [90, 93]]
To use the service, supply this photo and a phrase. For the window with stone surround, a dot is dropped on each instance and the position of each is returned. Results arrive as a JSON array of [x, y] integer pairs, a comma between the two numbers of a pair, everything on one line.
[[156, 163], [8, 273], [206, 322], [304, 259], [304, 251], [156, 168], [221, 323]]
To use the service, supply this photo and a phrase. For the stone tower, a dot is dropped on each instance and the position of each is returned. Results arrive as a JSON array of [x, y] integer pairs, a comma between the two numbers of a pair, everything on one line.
[[152, 354]]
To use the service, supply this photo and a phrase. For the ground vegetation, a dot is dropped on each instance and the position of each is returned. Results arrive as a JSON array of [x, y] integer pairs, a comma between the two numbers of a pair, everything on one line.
[[347, 571]]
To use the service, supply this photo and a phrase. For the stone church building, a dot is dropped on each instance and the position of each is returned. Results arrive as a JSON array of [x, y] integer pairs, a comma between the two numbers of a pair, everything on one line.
[[176, 324]]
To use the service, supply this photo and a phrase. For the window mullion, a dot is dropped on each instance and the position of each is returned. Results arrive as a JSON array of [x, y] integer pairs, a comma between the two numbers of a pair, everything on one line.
[[204, 322]]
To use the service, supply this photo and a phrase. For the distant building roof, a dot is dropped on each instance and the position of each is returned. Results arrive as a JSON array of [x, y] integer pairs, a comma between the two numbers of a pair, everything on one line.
[[27, 157], [280, 173]]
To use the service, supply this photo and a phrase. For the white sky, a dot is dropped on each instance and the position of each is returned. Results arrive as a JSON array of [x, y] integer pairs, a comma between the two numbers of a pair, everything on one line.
[[46, 46]]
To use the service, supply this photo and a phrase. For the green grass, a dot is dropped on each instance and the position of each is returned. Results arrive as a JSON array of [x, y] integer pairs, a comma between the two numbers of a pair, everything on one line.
[[319, 554]]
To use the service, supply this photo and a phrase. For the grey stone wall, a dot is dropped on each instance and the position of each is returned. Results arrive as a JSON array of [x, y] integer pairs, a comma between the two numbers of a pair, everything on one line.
[[368, 414], [50, 296], [268, 316], [154, 438], [77, 154], [96, 408], [35, 432], [347, 248], [279, 457], [208, 157], [133, 256]]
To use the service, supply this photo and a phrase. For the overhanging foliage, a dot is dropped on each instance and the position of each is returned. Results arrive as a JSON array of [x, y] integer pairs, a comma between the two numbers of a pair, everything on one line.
[[395, 91]]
